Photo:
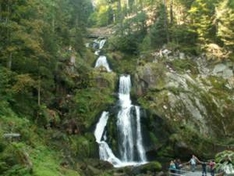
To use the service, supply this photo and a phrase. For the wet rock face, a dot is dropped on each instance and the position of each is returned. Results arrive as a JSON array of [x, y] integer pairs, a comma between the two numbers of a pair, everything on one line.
[[199, 101]]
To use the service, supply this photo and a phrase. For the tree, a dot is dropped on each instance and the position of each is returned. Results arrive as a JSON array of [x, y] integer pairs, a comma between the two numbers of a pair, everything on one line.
[[202, 17], [225, 23], [159, 31], [32, 32]]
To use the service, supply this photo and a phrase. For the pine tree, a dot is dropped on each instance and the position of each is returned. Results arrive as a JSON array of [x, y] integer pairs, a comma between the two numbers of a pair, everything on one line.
[[225, 23], [202, 17]]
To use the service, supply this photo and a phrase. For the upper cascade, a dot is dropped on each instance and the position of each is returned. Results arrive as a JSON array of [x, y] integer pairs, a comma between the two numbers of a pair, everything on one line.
[[101, 43], [101, 60]]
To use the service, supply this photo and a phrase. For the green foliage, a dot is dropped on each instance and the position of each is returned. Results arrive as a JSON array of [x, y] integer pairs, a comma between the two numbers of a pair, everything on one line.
[[224, 159], [123, 63], [15, 160], [153, 166], [46, 162], [83, 146], [201, 13], [23, 82], [136, 23], [158, 32], [183, 36], [146, 44], [28, 154], [182, 65], [224, 17], [6, 83], [88, 103], [153, 138], [104, 16], [127, 43]]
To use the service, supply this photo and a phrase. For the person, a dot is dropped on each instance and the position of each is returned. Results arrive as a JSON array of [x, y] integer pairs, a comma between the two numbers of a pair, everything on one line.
[[193, 162], [212, 167], [203, 164], [172, 167], [178, 165]]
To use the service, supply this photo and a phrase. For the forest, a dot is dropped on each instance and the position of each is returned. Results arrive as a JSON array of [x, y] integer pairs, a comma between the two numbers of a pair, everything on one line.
[[52, 96]]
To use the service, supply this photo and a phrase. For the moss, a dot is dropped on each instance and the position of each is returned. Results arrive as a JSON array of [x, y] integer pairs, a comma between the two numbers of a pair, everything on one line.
[[89, 103], [110, 78], [123, 63], [153, 166], [153, 138], [30, 154], [82, 146], [46, 163], [166, 151], [183, 65]]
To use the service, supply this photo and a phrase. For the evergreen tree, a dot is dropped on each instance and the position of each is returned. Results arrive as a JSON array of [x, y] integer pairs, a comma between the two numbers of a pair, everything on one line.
[[159, 31], [225, 23], [202, 17]]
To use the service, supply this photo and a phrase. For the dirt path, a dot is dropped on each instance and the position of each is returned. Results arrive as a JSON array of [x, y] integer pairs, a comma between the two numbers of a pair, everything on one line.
[[101, 32]]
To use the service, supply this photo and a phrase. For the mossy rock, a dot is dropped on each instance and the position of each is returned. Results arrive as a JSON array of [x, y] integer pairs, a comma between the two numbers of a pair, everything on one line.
[[152, 167], [91, 167]]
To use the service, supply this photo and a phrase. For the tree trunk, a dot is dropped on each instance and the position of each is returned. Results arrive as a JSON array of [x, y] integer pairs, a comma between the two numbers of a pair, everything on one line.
[[171, 12], [9, 62], [8, 33], [0, 12], [165, 20], [39, 92], [120, 16]]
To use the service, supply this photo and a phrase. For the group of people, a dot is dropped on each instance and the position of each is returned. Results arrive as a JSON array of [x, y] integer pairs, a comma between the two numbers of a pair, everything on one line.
[[176, 165]]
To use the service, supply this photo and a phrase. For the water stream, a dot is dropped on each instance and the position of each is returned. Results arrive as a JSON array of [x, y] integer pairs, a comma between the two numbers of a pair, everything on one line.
[[128, 123], [102, 61], [130, 143]]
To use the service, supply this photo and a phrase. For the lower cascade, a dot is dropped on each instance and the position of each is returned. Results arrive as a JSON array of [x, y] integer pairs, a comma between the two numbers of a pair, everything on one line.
[[130, 143]]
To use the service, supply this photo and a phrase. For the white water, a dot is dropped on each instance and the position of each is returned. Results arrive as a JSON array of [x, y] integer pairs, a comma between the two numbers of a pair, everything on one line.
[[228, 169], [140, 147], [102, 61], [102, 43], [100, 127], [124, 120], [131, 149], [105, 153]]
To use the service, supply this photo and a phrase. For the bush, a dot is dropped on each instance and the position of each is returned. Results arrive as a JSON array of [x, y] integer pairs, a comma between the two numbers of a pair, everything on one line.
[[224, 160]]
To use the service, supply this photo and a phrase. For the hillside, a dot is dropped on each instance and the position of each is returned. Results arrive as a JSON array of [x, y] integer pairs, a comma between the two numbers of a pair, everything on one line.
[[177, 61]]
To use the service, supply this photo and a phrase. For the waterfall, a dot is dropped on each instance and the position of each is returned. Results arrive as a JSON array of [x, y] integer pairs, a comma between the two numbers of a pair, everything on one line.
[[130, 143], [140, 147], [105, 153], [124, 120], [102, 61], [102, 43], [228, 169], [98, 45], [100, 127]]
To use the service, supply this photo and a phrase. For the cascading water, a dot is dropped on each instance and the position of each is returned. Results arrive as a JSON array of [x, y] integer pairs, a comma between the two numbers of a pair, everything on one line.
[[131, 149], [102, 61], [102, 43], [98, 45], [105, 153], [140, 147]]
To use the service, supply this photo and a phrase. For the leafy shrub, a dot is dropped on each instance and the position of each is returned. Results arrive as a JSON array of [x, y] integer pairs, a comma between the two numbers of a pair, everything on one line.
[[224, 160]]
